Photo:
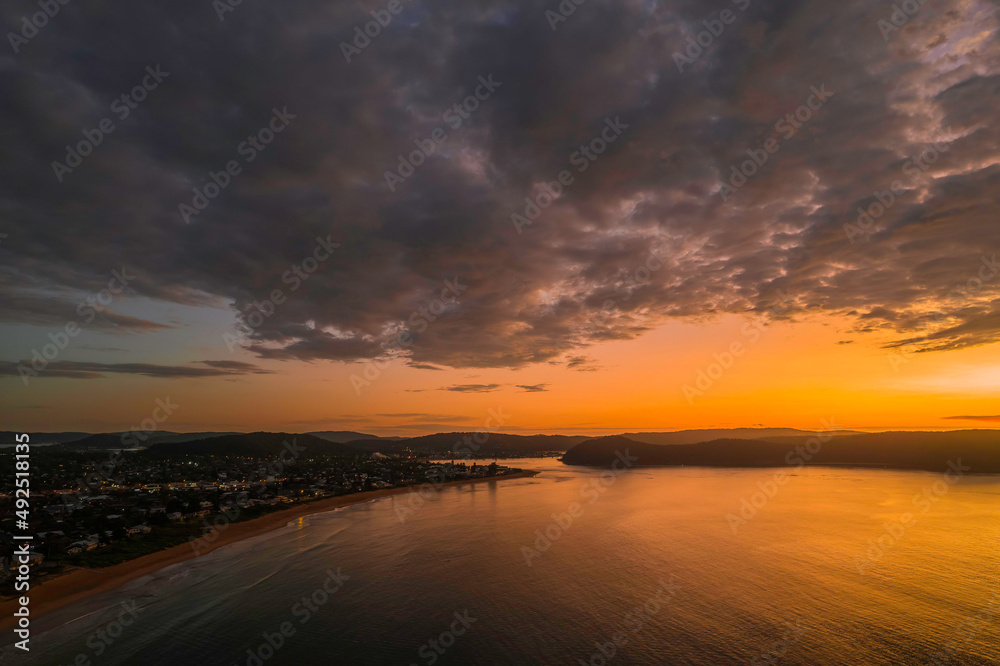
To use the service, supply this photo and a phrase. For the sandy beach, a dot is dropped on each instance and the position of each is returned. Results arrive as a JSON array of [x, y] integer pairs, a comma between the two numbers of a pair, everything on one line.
[[81, 583]]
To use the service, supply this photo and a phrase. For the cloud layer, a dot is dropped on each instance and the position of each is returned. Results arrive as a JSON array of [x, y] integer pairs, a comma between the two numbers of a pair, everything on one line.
[[88, 370], [638, 238]]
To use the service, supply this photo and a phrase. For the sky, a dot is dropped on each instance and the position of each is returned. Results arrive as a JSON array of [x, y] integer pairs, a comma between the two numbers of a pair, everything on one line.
[[413, 216]]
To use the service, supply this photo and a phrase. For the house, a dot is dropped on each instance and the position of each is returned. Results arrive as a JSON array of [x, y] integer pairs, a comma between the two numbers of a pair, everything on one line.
[[95, 498], [59, 509], [54, 538], [82, 545], [176, 515], [139, 529]]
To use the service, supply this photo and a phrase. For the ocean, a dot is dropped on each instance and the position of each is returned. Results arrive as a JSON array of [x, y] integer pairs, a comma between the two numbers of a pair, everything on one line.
[[582, 566]]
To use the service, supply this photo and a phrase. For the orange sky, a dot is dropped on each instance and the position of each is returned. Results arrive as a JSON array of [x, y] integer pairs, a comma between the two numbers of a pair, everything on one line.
[[874, 222], [791, 374]]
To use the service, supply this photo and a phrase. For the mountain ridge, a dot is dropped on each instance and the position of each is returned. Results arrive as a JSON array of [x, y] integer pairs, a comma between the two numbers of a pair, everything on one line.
[[931, 451]]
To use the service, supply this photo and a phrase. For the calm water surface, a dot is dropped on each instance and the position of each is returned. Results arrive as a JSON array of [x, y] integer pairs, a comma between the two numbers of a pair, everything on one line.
[[824, 573]]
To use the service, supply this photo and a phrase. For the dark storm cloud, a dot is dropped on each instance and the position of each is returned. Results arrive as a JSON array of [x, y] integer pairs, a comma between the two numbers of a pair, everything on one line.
[[541, 295], [88, 370]]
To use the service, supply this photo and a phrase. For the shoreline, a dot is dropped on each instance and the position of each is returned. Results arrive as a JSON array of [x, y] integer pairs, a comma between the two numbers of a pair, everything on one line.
[[82, 583]]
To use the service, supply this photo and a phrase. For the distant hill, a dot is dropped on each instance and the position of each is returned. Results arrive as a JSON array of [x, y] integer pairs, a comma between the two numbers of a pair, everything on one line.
[[695, 436], [490, 443], [10, 437], [113, 440], [255, 444], [160, 437], [979, 449], [107, 440], [344, 436]]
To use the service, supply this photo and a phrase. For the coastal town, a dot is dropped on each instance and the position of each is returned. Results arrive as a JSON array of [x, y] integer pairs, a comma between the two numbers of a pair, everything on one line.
[[99, 508]]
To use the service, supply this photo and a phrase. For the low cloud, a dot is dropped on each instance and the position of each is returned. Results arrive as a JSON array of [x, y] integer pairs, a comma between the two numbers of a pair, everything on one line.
[[472, 388], [423, 418], [91, 370], [581, 364], [20, 305]]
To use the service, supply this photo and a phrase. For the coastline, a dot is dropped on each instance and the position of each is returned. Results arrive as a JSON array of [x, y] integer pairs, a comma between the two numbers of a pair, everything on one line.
[[82, 583]]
